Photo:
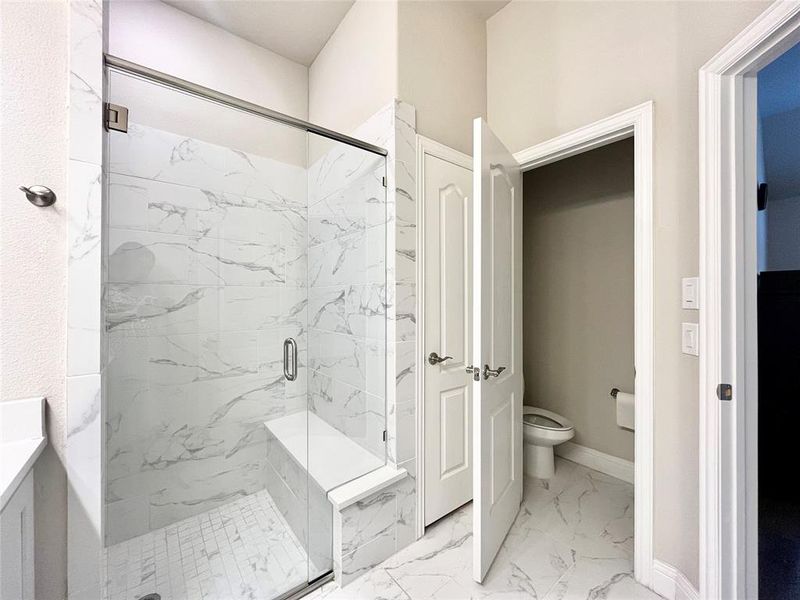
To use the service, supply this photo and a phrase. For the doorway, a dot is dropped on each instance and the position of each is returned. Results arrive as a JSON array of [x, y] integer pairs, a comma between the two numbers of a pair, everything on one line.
[[635, 123], [729, 303]]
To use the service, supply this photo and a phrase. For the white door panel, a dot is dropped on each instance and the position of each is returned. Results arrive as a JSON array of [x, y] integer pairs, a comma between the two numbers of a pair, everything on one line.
[[448, 325], [497, 297]]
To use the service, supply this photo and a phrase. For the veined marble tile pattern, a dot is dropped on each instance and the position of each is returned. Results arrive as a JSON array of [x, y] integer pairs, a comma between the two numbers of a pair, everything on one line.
[[573, 538], [83, 452], [242, 550], [206, 276], [347, 296]]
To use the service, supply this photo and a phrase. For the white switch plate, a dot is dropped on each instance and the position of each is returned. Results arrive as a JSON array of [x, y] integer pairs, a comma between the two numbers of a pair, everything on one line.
[[690, 293], [690, 338]]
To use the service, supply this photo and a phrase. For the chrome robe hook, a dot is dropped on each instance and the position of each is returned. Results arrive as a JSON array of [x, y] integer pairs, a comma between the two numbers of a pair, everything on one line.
[[39, 195]]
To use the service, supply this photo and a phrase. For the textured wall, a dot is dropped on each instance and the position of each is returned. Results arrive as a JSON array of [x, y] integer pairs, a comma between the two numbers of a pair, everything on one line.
[[578, 291], [33, 252]]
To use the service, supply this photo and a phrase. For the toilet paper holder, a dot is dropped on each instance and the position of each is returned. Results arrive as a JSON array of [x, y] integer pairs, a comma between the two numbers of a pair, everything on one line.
[[613, 393]]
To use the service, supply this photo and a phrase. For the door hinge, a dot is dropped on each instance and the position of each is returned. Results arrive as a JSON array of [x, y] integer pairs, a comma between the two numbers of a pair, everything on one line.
[[725, 391], [116, 118], [383, 181], [384, 435]]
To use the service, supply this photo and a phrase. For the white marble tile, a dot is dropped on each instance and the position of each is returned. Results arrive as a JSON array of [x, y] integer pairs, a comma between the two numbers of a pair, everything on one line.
[[244, 549], [406, 494], [401, 431], [86, 81], [84, 291], [376, 584], [341, 165], [85, 472], [154, 154], [356, 309], [144, 309], [405, 371], [366, 557], [368, 519], [84, 287], [531, 562]]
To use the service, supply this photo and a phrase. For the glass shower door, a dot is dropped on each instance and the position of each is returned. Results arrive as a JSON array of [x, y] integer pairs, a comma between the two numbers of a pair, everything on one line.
[[206, 277]]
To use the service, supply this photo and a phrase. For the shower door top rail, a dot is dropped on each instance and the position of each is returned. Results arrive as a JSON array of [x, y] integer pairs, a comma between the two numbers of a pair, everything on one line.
[[120, 64]]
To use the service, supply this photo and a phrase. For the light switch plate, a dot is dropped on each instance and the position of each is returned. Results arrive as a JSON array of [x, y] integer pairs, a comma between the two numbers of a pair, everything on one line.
[[690, 293], [690, 338]]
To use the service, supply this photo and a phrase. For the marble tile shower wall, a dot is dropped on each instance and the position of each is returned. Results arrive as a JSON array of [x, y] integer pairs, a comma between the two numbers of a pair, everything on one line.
[[371, 530], [206, 276], [347, 294]]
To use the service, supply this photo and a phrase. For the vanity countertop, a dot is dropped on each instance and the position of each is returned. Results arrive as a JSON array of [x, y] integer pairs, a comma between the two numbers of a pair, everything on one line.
[[16, 459], [22, 439]]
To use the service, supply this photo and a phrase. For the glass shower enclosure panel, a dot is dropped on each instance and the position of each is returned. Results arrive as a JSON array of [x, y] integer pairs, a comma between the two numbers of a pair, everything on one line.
[[244, 312], [347, 308]]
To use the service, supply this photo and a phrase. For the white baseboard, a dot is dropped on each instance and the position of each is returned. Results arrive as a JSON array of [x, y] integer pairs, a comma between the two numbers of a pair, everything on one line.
[[599, 461], [671, 583]]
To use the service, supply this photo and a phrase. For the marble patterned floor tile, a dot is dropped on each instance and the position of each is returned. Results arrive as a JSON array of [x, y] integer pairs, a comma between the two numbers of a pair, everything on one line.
[[572, 540]]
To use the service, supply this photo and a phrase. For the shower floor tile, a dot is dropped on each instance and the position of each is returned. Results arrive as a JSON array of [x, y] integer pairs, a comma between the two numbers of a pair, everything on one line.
[[244, 549]]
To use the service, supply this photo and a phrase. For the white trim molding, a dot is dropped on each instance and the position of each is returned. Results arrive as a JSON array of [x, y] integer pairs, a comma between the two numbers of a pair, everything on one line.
[[636, 122], [425, 147], [599, 461], [671, 583], [728, 347]]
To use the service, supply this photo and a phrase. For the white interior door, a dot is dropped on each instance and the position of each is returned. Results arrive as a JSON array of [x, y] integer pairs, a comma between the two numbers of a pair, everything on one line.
[[448, 336], [497, 343]]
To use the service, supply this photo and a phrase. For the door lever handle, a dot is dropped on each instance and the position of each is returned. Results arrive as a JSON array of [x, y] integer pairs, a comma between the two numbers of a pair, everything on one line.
[[487, 372], [435, 359]]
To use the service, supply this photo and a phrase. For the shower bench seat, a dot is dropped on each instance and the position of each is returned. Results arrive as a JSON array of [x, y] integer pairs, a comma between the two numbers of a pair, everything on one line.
[[321, 479], [329, 456]]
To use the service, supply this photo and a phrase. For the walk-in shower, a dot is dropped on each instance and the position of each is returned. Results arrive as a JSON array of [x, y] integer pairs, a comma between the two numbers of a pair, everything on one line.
[[245, 340]]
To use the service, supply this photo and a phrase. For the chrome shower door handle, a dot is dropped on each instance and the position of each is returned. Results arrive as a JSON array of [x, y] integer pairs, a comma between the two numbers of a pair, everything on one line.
[[487, 372], [290, 359]]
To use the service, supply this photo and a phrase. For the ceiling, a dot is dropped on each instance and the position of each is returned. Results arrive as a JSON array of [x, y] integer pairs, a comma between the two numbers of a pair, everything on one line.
[[295, 29]]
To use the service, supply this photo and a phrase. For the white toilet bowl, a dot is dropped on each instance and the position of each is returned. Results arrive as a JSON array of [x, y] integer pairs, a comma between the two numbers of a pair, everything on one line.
[[541, 430]]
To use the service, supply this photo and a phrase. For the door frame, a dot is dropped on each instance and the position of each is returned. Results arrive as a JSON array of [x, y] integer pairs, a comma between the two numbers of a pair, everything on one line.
[[425, 147], [728, 319], [636, 122]]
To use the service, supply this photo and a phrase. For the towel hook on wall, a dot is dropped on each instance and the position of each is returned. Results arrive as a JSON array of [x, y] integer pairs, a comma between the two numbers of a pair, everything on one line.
[[39, 195], [614, 392]]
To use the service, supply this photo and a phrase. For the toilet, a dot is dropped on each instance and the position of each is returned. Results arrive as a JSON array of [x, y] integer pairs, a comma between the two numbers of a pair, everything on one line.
[[541, 430]]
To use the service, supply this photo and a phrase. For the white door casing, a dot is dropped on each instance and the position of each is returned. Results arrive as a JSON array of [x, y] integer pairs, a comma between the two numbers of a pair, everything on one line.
[[447, 205], [497, 297], [728, 315]]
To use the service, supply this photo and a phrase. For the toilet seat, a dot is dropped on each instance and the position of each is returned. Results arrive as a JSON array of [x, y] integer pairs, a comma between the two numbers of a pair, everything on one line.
[[540, 418]]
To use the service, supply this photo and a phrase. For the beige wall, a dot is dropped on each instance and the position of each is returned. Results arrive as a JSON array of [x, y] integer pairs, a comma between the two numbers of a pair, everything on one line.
[[187, 47], [33, 257], [355, 73], [431, 54], [578, 291], [442, 68], [554, 66]]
